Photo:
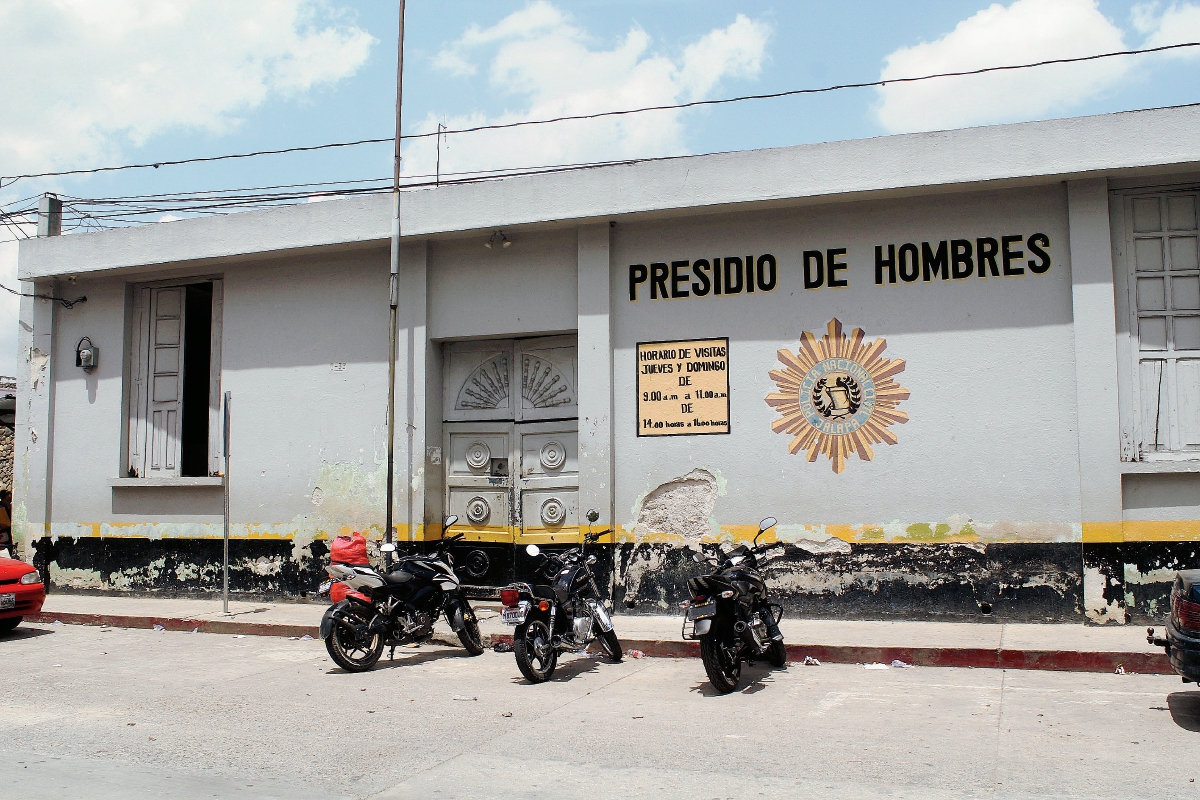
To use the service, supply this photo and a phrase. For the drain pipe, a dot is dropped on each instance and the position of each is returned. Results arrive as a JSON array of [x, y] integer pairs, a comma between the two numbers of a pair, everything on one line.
[[394, 296]]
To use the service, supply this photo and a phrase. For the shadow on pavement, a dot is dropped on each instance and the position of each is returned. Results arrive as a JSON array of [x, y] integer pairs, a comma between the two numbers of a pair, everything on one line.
[[566, 669], [1185, 709], [409, 660], [23, 632], [756, 677]]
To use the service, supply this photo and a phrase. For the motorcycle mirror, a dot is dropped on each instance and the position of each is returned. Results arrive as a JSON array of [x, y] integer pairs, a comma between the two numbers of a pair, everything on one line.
[[533, 549], [767, 524], [699, 558], [450, 520], [387, 547], [593, 515]]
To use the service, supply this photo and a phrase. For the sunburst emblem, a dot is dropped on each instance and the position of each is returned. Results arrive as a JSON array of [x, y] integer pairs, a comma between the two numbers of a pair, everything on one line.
[[837, 395]]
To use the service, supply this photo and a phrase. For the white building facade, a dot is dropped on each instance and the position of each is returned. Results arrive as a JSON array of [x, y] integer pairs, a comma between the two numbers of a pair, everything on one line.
[[961, 368]]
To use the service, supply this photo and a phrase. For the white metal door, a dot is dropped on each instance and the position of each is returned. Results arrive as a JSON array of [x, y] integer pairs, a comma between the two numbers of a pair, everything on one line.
[[547, 484], [479, 479]]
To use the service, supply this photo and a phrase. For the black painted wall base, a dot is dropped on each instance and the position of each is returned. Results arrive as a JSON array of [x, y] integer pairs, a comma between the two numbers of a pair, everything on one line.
[[1021, 582], [1004, 582]]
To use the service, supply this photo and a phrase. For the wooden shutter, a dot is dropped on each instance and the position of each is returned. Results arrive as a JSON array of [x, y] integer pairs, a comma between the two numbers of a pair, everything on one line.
[[1165, 314], [164, 407]]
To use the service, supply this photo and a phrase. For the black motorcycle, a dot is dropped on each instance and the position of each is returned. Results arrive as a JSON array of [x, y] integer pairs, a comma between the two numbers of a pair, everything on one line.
[[730, 614], [397, 607], [565, 614]]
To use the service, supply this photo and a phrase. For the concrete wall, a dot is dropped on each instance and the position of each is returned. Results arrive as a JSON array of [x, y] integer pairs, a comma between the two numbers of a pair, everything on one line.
[[308, 443], [987, 457]]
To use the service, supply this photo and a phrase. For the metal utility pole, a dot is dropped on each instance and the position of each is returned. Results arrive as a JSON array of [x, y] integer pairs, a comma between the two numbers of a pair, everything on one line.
[[225, 559], [395, 292]]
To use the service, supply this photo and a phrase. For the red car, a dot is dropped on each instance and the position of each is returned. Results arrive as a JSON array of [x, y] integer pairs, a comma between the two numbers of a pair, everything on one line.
[[21, 593]]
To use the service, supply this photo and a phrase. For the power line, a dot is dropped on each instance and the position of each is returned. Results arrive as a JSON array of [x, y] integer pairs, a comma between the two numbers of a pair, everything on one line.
[[65, 303], [604, 114]]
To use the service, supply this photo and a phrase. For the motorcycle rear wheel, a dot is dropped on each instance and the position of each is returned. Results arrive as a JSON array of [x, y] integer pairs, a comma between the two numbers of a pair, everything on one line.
[[611, 645], [536, 657], [724, 671], [350, 654]]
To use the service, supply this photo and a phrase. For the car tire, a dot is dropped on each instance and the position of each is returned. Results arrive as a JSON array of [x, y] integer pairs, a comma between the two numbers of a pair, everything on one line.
[[7, 625]]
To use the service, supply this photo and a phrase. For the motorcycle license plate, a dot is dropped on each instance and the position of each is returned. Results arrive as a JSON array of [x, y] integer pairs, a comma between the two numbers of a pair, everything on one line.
[[702, 611], [8, 601], [515, 615]]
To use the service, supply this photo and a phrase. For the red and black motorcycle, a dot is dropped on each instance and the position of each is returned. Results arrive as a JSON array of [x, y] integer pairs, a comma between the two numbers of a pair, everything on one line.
[[397, 607]]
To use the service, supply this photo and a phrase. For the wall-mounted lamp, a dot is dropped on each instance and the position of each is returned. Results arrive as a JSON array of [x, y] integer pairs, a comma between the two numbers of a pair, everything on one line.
[[86, 357], [497, 238]]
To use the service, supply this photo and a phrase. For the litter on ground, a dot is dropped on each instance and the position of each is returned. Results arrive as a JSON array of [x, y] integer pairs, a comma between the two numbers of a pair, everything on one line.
[[898, 664], [809, 661], [465, 697], [635, 654], [876, 666]]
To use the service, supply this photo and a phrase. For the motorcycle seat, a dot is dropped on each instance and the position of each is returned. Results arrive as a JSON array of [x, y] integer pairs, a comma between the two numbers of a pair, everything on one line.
[[396, 577]]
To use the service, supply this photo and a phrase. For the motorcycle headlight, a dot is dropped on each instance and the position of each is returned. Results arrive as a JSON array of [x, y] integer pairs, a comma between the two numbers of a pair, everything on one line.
[[31, 577]]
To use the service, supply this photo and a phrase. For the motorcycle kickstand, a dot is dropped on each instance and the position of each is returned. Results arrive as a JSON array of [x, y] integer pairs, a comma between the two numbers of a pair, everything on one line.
[[392, 654]]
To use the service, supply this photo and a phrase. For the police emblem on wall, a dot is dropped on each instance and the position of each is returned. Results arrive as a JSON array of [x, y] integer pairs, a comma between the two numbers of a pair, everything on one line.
[[837, 395]]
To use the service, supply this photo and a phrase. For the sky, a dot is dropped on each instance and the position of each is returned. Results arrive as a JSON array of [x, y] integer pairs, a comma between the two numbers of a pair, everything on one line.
[[135, 81]]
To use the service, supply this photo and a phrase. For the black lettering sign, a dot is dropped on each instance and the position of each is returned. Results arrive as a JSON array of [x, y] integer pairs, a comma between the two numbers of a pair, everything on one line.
[[932, 262], [1010, 255], [961, 264], [814, 269], [679, 279]]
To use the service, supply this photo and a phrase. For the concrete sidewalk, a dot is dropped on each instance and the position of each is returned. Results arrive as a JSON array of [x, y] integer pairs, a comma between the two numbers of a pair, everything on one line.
[[935, 644]]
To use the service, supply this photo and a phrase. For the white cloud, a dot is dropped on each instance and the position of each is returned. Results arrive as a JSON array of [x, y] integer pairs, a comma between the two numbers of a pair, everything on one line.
[[87, 77], [1179, 23], [552, 68], [1025, 31]]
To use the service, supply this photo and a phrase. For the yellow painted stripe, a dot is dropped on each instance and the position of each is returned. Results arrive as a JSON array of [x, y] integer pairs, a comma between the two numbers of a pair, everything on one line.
[[1099, 532], [897, 533], [1156, 531]]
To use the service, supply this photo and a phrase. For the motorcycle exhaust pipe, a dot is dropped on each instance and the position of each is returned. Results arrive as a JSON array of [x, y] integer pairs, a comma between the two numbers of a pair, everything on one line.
[[748, 636]]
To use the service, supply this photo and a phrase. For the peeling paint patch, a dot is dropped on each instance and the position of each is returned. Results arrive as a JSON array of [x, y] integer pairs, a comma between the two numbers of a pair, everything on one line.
[[680, 507], [1097, 606], [810, 540], [37, 367]]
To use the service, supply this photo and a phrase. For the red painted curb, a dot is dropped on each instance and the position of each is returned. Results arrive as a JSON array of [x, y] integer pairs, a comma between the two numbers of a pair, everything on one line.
[[982, 658], [177, 624]]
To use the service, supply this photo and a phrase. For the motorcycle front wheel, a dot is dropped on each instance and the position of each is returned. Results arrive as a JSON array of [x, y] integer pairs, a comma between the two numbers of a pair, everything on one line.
[[611, 645], [468, 631], [351, 654], [723, 665], [777, 655], [536, 657]]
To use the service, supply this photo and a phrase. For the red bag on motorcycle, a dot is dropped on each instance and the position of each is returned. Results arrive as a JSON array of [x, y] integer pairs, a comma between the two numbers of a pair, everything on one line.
[[351, 550]]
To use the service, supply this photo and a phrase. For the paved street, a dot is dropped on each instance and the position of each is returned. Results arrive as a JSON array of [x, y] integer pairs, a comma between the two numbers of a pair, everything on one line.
[[121, 713]]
